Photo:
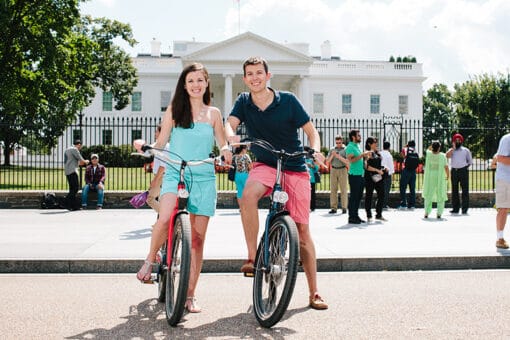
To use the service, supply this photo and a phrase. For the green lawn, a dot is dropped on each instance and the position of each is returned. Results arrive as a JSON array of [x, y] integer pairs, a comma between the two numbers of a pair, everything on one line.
[[15, 178], [54, 179]]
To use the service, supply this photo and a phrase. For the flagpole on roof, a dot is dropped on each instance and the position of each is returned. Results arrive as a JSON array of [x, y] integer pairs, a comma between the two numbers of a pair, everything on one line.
[[238, 17]]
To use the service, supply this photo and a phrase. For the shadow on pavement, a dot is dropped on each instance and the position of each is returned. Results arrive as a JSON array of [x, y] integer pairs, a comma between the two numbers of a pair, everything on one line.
[[147, 321], [136, 234]]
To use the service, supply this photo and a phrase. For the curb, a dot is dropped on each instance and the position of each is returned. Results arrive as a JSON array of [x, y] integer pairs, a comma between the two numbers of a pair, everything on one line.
[[117, 266]]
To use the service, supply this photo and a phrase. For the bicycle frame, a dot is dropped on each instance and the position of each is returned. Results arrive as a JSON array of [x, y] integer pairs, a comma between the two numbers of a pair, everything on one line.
[[179, 208], [276, 208], [278, 197]]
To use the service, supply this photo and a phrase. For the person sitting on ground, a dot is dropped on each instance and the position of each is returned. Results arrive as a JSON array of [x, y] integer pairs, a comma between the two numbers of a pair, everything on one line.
[[95, 175]]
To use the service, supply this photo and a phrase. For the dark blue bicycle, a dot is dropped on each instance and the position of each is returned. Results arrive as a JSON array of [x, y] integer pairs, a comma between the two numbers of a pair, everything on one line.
[[276, 261]]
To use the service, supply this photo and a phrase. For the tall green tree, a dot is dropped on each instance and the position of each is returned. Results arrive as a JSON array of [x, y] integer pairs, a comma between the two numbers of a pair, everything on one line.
[[437, 114], [483, 101], [51, 61]]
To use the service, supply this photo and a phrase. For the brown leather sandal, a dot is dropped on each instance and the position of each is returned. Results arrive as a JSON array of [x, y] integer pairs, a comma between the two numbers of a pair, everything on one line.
[[316, 302], [248, 268]]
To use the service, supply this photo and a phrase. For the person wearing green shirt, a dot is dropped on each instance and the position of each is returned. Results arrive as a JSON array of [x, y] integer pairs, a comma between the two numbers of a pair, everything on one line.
[[356, 175]]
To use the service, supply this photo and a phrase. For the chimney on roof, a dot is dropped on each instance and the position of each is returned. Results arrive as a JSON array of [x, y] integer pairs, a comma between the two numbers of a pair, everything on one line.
[[155, 48], [326, 50]]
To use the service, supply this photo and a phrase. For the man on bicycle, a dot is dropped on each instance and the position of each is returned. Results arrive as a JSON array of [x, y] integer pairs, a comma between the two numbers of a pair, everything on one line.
[[275, 117]]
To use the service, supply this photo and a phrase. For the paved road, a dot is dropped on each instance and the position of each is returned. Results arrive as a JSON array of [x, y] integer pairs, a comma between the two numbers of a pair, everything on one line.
[[375, 305]]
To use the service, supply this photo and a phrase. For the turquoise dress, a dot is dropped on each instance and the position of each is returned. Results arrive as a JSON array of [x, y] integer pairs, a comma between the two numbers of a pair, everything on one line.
[[434, 183], [193, 144]]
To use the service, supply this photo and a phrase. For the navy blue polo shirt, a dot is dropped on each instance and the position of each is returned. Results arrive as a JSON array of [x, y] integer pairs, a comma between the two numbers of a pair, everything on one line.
[[278, 124]]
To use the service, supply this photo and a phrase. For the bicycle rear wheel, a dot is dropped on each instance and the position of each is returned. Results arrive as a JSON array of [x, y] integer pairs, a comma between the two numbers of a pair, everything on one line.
[[177, 277], [273, 284]]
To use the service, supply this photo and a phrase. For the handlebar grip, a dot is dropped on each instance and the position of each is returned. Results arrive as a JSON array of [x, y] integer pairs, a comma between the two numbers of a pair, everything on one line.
[[146, 147], [309, 150]]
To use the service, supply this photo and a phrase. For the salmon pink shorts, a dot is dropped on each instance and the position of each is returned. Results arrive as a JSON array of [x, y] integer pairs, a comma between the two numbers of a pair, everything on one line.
[[295, 184]]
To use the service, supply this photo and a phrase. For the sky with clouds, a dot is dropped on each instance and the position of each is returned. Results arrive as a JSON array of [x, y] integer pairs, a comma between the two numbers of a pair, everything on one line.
[[454, 39]]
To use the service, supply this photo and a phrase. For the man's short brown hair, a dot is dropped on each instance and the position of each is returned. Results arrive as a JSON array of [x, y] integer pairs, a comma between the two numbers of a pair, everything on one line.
[[255, 61]]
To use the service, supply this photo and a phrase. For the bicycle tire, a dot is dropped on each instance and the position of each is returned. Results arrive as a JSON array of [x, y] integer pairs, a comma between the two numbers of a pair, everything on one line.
[[161, 259], [273, 286], [177, 277]]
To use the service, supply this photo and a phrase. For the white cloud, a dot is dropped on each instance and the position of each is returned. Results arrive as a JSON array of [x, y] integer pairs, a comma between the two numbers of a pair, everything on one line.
[[453, 39], [108, 3]]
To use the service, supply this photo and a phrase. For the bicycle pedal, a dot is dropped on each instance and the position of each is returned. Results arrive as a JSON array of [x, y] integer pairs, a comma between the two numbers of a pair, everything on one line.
[[152, 280], [248, 274]]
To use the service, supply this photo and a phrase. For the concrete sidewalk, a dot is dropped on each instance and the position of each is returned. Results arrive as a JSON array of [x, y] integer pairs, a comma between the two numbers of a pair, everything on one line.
[[115, 241]]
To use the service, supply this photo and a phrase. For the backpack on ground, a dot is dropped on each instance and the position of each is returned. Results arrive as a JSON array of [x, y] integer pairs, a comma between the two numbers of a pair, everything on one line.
[[49, 201], [412, 159]]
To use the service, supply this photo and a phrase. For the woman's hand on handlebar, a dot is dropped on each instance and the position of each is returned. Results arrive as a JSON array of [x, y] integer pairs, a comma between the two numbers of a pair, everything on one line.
[[138, 144], [226, 155]]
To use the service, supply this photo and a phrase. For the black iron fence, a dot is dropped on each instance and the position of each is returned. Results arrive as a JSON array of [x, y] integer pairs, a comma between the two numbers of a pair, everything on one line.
[[33, 166]]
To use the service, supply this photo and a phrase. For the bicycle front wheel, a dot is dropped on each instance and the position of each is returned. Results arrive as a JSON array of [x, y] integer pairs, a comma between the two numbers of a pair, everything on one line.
[[177, 277], [274, 282], [161, 260]]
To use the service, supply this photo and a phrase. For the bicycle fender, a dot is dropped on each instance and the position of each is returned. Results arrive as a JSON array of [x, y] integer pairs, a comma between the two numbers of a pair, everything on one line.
[[278, 214]]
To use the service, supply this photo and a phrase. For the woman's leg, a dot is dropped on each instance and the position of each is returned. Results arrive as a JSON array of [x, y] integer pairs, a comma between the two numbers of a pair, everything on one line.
[[198, 230], [369, 191], [428, 206], [159, 233], [440, 208], [379, 188]]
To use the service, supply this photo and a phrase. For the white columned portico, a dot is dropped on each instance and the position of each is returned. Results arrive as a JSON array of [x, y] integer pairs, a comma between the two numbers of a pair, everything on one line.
[[304, 93], [228, 95]]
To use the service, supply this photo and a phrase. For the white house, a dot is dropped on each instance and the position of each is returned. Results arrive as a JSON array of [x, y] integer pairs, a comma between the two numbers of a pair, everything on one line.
[[328, 86]]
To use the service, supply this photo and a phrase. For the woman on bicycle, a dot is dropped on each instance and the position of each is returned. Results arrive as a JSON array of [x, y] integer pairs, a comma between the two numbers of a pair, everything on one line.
[[190, 125]]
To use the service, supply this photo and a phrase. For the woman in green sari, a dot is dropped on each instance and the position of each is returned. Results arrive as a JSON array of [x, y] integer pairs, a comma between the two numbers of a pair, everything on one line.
[[436, 179]]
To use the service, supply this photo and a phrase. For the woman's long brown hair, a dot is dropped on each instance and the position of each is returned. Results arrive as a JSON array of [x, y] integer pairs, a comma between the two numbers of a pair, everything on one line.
[[181, 107]]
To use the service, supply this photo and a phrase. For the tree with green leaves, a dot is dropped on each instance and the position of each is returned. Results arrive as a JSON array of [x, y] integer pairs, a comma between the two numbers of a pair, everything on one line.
[[51, 61], [483, 101], [437, 114]]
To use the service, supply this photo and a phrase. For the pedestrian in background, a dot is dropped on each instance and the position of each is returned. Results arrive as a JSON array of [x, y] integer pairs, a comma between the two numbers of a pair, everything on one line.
[[502, 189], [242, 161], [72, 160], [435, 179], [408, 176], [356, 175], [374, 175], [460, 161], [338, 177], [389, 169], [95, 175], [158, 170], [313, 170]]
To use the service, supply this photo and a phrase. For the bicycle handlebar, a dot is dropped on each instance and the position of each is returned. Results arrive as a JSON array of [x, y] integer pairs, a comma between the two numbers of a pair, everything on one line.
[[162, 155], [282, 153]]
